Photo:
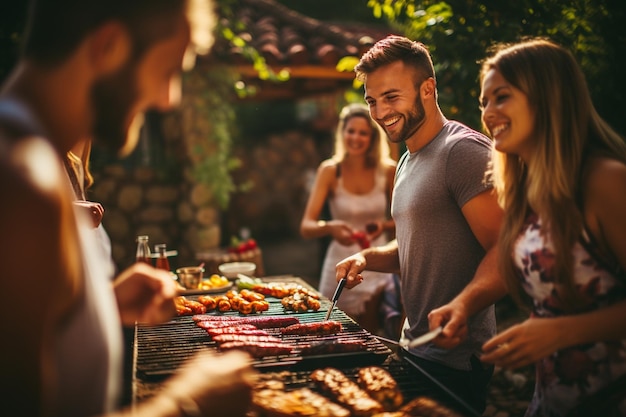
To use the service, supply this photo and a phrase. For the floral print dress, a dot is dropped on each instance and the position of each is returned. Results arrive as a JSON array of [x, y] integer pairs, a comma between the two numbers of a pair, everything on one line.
[[577, 376]]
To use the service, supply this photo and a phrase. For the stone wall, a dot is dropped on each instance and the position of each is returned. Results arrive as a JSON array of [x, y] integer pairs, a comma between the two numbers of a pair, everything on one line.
[[280, 169], [156, 194], [175, 210]]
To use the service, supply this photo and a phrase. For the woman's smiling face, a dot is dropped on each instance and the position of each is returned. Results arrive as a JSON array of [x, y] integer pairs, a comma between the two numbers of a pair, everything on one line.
[[357, 136], [507, 115]]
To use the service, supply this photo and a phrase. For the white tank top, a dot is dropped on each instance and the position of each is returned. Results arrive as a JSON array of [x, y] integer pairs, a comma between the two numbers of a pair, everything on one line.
[[89, 347]]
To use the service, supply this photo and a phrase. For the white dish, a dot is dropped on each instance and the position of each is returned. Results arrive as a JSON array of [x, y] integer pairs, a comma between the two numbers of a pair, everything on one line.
[[231, 269]]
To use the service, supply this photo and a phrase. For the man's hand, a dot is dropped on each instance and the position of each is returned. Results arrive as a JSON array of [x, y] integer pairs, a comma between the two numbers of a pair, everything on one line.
[[216, 385], [351, 269], [453, 318], [145, 294]]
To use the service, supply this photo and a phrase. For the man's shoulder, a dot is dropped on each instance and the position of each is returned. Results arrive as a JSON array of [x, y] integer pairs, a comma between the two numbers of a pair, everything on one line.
[[459, 138], [29, 168], [17, 120], [457, 131]]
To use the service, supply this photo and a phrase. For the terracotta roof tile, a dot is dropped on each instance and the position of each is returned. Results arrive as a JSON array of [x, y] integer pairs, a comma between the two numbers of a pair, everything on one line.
[[286, 37], [308, 48]]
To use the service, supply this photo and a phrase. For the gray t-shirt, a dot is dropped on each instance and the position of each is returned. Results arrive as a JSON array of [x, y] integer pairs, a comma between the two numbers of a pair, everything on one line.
[[438, 252]]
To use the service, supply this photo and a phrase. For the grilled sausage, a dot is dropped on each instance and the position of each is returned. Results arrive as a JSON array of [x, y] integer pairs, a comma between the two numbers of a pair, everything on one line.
[[229, 337], [259, 349], [223, 324], [261, 322], [242, 329], [316, 328], [333, 346]]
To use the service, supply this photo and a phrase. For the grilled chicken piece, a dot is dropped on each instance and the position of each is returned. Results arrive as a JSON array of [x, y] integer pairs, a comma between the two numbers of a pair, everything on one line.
[[301, 402], [186, 307], [346, 392], [381, 386], [426, 407]]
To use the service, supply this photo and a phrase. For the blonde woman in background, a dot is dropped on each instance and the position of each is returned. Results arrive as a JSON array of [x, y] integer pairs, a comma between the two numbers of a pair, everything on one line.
[[357, 182]]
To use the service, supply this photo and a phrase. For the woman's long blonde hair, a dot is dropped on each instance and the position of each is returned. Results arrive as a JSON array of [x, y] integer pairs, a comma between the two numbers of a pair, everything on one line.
[[567, 132], [378, 150]]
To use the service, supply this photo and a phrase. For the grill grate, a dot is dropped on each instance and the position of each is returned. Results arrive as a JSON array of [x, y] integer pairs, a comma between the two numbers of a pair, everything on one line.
[[160, 350], [410, 382]]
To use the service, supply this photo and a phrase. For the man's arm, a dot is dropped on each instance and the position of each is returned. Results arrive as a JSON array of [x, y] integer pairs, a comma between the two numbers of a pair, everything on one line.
[[380, 259]]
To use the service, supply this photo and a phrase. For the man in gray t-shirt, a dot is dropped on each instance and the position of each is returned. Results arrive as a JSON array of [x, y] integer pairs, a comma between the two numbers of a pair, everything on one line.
[[447, 218], [437, 249]]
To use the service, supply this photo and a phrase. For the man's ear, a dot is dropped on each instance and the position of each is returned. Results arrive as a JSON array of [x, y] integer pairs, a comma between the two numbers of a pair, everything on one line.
[[429, 87], [109, 47]]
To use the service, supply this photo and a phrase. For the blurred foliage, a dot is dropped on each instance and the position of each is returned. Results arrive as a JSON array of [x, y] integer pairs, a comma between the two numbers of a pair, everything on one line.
[[459, 33], [211, 147]]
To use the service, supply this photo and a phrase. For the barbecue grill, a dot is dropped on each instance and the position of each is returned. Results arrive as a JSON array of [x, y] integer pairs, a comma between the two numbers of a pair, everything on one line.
[[160, 350]]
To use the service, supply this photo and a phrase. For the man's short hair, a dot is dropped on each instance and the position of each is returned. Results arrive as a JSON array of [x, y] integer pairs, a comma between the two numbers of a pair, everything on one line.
[[55, 28], [396, 48]]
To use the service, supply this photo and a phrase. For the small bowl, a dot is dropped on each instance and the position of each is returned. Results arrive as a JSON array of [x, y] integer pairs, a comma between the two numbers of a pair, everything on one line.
[[231, 269], [190, 277]]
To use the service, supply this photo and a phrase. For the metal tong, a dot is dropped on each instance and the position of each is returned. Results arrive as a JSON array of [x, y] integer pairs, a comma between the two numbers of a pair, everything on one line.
[[418, 341], [340, 285]]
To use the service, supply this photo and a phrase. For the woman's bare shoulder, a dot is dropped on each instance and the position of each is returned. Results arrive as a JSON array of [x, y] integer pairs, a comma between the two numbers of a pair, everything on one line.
[[389, 163], [328, 167], [605, 177], [604, 190]]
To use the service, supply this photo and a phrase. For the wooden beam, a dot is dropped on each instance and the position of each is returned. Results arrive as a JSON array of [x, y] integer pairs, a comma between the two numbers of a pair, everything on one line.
[[306, 71]]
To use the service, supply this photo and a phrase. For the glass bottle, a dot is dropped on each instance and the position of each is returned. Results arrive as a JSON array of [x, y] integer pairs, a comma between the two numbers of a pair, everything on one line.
[[143, 250], [161, 261]]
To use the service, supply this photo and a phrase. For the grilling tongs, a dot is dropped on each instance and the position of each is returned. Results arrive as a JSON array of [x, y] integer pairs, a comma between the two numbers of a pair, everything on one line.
[[340, 285], [418, 341]]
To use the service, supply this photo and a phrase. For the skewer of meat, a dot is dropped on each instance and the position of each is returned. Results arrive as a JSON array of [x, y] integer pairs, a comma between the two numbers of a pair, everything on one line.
[[316, 328], [345, 391], [259, 349], [381, 386]]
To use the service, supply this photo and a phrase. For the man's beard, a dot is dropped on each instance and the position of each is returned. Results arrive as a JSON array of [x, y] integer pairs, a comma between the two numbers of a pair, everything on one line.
[[112, 98], [415, 119]]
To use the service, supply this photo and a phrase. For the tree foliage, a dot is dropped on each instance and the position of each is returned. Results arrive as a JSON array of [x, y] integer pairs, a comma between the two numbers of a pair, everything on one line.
[[460, 32]]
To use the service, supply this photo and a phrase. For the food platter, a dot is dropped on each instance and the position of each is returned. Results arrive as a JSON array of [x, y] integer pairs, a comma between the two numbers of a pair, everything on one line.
[[214, 290]]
